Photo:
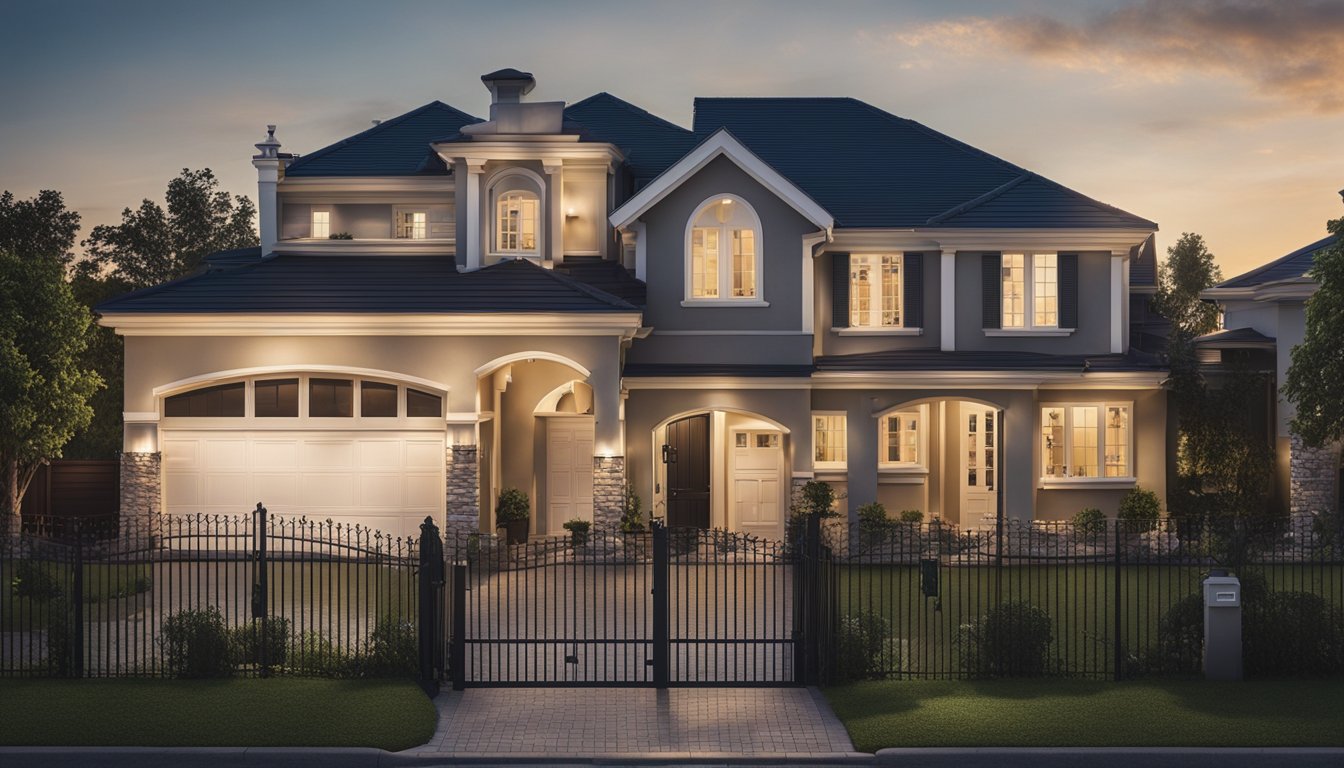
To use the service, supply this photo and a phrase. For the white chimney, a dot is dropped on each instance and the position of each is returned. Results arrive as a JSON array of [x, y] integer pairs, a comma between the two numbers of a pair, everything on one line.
[[268, 163], [509, 115]]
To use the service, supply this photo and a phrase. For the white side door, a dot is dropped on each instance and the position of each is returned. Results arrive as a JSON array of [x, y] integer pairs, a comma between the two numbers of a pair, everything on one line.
[[979, 454], [569, 470], [757, 483]]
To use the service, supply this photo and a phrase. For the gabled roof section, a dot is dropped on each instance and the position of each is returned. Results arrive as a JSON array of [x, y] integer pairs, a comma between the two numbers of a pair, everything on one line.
[[721, 143], [650, 143], [1235, 338], [870, 168], [396, 147], [1293, 266], [369, 284]]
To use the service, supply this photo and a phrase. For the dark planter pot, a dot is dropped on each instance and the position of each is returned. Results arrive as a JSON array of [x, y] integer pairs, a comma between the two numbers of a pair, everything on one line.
[[578, 538], [516, 531]]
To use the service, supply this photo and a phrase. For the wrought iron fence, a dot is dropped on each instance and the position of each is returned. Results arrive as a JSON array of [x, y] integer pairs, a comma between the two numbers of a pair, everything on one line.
[[208, 595]]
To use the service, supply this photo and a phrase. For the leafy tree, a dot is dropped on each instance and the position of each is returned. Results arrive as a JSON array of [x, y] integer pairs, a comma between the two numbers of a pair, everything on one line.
[[44, 388], [1315, 380], [152, 246], [101, 439], [38, 228], [1188, 270]]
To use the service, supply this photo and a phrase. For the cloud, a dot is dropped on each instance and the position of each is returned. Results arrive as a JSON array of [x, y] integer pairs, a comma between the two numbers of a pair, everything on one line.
[[1288, 50]]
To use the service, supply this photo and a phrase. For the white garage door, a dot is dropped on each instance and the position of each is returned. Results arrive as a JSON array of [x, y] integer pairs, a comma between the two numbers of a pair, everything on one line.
[[385, 480]]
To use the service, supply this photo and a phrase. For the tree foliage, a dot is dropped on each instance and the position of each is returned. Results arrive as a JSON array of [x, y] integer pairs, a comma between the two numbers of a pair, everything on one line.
[[1188, 270], [44, 388], [38, 228], [1315, 380], [152, 246]]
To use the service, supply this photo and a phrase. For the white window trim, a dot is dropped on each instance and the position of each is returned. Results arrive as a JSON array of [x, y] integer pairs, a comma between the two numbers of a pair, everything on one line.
[[884, 331], [725, 264], [920, 467], [355, 422], [1101, 482], [830, 465], [1029, 300]]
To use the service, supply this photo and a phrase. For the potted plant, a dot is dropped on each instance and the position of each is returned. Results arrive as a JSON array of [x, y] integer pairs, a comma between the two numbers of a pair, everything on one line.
[[513, 513], [578, 531]]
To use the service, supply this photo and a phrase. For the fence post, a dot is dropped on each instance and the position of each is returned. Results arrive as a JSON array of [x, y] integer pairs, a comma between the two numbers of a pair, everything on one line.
[[458, 658], [77, 606], [801, 577], [260, 591], [431, 579], [661, 639], [1119, 646], [815, 616]]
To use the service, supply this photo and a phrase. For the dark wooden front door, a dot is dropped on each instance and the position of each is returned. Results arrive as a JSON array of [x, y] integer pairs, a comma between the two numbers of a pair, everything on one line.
[[686, 454]]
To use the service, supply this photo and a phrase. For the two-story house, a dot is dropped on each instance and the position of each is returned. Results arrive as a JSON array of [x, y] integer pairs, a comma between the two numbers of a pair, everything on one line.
[[566, 299]]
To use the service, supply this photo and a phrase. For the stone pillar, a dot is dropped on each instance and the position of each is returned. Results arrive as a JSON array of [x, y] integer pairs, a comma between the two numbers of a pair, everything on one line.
[[608, 490], [141, 511], [1313, 473], [463, 475]]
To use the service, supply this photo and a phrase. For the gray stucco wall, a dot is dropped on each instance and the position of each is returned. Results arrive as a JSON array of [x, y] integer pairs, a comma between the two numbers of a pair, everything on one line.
[[1093, 335], [832, 343]]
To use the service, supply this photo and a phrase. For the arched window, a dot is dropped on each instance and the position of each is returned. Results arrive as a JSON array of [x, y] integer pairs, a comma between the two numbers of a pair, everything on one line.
[[723, 252], [516, 222]]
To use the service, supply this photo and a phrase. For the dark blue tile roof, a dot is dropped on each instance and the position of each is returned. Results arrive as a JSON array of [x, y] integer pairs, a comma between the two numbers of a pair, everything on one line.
[[396, 147], [869, 168], [1143, 263], [650, 144], [607, 276], [933, 359], [1295, 264], [1235, 337], [373, 284], [234, 258]]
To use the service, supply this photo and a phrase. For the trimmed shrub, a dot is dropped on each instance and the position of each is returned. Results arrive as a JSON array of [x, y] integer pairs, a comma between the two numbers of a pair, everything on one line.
[[35, 581], [1090, 522], [1011, 640], [313, 653], [196, 644], [873, 525], [391, 651], [1291, 634], [913, 516], [863, 650], [513, 506], [1180, 638], [246, 642], [1140, 510], [59, 647]]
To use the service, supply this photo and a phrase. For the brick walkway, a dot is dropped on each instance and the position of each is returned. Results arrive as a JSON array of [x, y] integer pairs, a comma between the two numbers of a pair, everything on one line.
[[632, 722]]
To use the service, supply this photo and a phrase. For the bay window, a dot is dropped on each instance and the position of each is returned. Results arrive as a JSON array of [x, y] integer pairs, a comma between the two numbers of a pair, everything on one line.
[[1086, 441]]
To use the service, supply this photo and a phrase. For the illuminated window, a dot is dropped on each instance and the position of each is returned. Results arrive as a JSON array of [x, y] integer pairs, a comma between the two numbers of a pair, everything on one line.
[[875, 291], [828, 440], [321, 224], [902, 438], [1034, 299], [724, 258], [516, 222], [412, 225], [1086, 441]]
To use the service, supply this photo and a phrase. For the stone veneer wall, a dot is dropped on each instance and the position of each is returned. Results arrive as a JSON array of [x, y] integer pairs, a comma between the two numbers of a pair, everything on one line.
[[608, 490], [141, 510], [463, 473], [1314, 473]]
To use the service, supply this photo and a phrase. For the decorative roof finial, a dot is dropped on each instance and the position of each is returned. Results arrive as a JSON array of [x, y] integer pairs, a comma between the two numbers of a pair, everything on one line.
[[270, 146]]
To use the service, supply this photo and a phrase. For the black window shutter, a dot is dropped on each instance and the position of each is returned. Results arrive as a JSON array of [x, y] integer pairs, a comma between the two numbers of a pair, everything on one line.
[[914, 290], [991, 286], [840, 290], [1068, 290]]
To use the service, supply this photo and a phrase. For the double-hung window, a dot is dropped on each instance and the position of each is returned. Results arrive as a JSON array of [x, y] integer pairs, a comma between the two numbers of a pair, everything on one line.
[[828, 440], [724, 259], [1092, 440], [1030, 290], [875, 291], [901, 438]]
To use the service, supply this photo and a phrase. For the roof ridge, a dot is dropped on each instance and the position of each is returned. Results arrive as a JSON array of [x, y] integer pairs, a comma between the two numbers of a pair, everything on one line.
[[976, 202], [632, 108], [390, 122]]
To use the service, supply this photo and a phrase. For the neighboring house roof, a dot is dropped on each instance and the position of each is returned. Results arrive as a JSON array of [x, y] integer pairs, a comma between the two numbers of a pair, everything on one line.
[[1235, 337], [1294, 265], [372, 284], [234, 258], [396, 147], [869, 168], [931, 359], [650, 144], [1143, 264], [607, 276]]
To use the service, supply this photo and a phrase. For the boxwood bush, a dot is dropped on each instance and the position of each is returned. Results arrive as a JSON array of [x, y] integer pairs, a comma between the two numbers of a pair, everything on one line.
[[1010, 640]]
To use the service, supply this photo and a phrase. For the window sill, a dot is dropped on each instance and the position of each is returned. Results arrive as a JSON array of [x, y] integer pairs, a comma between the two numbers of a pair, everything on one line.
[[831, 474], [1029, 332], [878, 331], [1081, 483], [897, 475], [725, 303]]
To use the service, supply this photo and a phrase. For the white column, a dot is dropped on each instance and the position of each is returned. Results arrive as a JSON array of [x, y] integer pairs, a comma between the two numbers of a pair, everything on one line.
[[555, 206], [476, 232], [947, 301], [1118, 300]]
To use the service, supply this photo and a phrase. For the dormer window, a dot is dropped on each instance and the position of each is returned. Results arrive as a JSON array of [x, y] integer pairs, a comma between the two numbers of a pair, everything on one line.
[[723, 253], [516, 222], [321, 224], [412, 225]]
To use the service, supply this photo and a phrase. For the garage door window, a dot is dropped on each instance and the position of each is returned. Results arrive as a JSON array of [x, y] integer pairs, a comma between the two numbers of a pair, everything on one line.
[[225, 400], [331, 397], [422, 404], [377, 400], [277, 398]]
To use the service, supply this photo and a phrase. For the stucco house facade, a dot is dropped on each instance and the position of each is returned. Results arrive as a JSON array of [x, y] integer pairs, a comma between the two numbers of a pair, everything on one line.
[[565, 299]]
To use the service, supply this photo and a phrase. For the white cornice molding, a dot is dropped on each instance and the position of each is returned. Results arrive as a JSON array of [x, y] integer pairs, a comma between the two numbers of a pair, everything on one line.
[[568, 152], [715, 382], [427, 185], [623, 324], [987, 380], [721, 143], [989, 239], [446, 247]]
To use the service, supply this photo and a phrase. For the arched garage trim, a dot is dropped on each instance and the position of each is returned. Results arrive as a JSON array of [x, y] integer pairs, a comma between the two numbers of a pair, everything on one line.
[[193, 382]]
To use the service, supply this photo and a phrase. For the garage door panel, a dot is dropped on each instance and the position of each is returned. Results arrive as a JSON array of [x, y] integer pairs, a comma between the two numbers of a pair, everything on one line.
[[424, 454], [227, 489], [276, 489], [380, 490], [379, 454], [223, 454], [181, 489], [423, 491], [275, 454], [327, 454], [181, 454], [327, 491]]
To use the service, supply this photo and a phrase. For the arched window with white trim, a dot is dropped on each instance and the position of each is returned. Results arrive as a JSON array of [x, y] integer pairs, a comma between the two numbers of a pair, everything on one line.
[[723, 252]]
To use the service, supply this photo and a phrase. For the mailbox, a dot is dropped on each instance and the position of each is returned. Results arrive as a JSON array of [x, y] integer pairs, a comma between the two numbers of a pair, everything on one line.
[[1222, 592], [1222, 627]]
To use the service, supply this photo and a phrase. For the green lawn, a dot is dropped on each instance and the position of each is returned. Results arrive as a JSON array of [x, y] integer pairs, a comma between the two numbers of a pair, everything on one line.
[[278, 712], [1075, 713]]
